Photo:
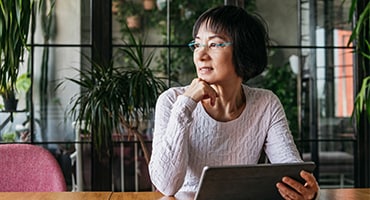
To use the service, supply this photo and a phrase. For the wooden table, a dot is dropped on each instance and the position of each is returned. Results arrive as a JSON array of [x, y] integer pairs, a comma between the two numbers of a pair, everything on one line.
[[55, 195], [325, 194], [149, 196], [139, 196], [345, 194]]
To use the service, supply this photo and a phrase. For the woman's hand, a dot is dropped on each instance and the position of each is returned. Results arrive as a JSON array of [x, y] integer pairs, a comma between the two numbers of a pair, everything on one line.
[[292, 189], [200, 90]]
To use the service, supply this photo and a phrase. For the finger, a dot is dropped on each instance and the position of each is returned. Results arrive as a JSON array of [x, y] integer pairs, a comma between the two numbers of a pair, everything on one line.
[[197, 90], [212, 95], [287, 193], [310, 180], [292, 183], [299, 190], [211, 98], [311, 184], [207, 90], [308, 177], [307, 190]]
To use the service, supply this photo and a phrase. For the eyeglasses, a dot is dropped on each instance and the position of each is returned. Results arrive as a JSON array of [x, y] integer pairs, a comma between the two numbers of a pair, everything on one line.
[[212, 46]]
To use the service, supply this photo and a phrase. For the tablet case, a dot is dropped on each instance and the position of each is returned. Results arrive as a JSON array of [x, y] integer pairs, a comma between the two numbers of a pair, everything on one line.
[[246, 182]]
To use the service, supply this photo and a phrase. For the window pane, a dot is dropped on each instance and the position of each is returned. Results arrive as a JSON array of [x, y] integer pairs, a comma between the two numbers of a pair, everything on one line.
[[67, 22], [52, 102]]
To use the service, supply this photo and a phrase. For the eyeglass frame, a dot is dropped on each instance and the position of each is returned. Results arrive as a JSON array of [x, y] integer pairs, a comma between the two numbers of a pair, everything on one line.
[[192, 44]]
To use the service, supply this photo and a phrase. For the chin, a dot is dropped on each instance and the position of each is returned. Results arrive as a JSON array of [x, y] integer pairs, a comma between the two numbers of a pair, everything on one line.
[[208, 80], [205, 77]]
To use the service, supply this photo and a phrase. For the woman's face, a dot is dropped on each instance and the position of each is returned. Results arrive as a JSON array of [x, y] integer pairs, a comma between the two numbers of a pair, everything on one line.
[[213, 62]]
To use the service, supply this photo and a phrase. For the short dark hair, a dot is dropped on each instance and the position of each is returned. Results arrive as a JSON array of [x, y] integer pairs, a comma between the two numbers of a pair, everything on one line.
[[248, 33]]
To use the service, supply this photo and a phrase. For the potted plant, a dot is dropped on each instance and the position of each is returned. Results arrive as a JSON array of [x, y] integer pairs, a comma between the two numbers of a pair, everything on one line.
[[22, 85], [129, 13], [149, 4], [15, 23], [113, 98]]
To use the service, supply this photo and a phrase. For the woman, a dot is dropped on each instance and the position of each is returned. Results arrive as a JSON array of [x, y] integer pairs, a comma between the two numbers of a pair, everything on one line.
[[217, 120]]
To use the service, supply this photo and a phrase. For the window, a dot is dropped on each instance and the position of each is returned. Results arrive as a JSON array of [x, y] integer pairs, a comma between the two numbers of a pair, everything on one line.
[[320, 87]]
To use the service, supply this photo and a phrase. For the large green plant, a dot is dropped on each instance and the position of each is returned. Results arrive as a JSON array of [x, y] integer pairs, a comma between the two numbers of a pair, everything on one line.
[[116, 97], [15, 16], [142, 89], [360, 34]]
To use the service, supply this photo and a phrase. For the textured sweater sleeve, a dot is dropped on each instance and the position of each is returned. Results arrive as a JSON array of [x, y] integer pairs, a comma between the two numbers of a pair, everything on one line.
[[279, 144], [169, 157]]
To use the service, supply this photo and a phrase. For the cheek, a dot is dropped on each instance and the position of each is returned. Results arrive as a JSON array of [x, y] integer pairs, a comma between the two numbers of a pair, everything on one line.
[[226, 59], [227, 64]]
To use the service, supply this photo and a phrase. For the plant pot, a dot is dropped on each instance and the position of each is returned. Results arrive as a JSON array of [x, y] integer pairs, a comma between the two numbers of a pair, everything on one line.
[[115, 7], [133, 22], [148, 4], [10, 103]]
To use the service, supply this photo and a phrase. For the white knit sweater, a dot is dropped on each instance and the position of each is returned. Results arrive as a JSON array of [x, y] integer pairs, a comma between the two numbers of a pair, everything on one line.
[[186, 138]]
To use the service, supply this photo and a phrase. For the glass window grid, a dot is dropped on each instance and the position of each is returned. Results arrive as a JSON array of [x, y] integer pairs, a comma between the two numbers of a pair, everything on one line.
[[174, 46]]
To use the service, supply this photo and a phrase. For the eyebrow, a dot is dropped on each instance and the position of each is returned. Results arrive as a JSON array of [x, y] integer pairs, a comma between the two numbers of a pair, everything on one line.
[[213, 37]]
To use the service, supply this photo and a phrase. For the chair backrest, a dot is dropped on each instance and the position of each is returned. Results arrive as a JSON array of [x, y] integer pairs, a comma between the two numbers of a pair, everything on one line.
[[29, 168]]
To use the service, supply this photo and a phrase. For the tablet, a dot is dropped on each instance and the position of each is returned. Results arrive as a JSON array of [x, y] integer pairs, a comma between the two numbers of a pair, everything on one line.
[[247, 181]]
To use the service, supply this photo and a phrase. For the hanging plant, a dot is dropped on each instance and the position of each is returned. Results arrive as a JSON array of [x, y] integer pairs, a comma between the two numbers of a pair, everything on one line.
[[15, 17]]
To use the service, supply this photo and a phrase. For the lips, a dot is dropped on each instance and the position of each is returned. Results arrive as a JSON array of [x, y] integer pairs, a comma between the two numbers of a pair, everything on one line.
[[205, 69]]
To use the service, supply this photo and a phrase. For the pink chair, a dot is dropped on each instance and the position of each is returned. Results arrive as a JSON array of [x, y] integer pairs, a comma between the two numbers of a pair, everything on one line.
[[29, 168]]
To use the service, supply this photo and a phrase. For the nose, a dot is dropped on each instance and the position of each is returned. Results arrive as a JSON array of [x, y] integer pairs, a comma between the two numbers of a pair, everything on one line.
[[202, 54]]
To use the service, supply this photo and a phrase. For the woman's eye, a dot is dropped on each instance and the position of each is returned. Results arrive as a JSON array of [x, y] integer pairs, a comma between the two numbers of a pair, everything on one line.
[[213, 45], [196, 45]]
